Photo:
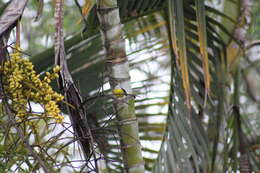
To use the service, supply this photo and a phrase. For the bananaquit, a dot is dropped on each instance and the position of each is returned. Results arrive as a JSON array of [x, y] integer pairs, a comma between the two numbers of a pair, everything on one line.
[[119, 92]]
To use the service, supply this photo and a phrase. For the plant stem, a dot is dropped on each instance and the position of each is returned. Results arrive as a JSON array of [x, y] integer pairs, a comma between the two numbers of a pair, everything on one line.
[[119, 79]]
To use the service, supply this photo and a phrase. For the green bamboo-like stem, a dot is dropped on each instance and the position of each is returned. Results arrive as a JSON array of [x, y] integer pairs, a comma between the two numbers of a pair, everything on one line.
[[240, 145], [118, 67], [233, 54], [220, 113], [240, 35]]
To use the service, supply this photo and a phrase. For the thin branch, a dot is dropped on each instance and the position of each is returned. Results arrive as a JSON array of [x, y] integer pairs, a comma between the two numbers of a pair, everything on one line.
[[252, 64], [24, 138], [80, 11], [253, 44], [250, 89]]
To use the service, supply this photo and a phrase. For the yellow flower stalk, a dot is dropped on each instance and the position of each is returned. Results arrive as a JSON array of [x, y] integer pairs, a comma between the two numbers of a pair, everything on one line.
[[22, 85]]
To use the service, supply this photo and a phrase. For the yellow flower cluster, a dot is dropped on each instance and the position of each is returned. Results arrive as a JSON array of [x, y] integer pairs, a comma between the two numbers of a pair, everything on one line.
[[22, 85]]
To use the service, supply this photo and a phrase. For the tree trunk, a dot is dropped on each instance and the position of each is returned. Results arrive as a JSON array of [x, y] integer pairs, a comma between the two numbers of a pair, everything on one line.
[[119, 79]]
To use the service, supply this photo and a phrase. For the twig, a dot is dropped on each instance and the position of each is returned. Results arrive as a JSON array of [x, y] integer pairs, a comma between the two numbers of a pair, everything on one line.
[[80, 11], [24, 139], [250, 90]]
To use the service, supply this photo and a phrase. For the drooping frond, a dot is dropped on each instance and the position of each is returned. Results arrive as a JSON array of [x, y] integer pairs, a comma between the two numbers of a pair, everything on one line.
[[202, 32], [72, 94]]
